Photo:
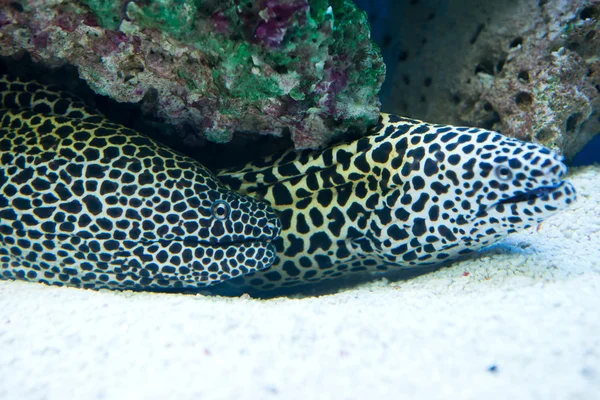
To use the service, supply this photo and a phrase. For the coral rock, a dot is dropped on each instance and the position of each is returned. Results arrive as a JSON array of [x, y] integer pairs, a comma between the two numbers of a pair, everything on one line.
[[218, 66], [529, 68]]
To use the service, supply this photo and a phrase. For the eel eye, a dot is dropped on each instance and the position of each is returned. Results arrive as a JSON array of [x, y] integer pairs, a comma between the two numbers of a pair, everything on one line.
[[504, 173], [220, 210]]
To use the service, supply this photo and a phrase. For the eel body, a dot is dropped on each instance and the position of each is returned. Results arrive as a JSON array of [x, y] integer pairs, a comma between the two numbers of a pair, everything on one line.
[[88, 203], [408, 194]]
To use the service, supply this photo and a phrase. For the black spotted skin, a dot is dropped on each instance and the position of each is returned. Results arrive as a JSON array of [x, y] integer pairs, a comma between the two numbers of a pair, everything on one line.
[[408, 194], [88, 203]]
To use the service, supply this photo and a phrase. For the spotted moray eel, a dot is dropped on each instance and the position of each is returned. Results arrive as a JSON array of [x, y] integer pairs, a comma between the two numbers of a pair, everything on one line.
[[408, 194], [85, 202]]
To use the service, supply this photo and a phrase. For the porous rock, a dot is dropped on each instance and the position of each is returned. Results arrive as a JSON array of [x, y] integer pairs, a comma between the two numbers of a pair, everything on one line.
[[527, 68]]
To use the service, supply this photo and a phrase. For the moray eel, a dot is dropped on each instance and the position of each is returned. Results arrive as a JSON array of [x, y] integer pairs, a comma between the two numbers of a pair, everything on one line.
[[85, 202], [408, 194]]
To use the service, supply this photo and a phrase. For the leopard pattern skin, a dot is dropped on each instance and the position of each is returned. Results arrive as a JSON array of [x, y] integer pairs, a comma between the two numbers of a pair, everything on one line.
[[408, 194], [85, 202]]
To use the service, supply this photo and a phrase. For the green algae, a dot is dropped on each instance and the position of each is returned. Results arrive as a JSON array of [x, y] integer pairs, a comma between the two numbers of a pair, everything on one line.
[[297, 94], [318, 10], [177, 17], [322, 56], [108, 12], [248, 82], [172, 16], [191, 84], [353, 30]]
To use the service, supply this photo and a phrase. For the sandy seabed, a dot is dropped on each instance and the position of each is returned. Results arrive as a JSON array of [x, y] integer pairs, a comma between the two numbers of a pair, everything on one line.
[[520, 322]]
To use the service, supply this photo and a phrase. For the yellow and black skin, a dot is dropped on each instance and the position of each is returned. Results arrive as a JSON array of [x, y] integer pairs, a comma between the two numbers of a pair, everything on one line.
[[85, 202], [408, 194]]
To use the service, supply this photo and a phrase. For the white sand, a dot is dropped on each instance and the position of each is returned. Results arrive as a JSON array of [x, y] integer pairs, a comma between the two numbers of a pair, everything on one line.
[[530, 307]]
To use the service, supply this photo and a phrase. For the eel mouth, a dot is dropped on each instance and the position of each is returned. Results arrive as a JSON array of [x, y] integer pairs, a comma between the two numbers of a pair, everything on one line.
[[265, 239], [553, 197], [533, 195]]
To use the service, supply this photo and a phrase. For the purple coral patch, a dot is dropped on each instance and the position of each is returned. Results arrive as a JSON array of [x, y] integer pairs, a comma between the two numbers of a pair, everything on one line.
[[90, 20], [40, 39], [112, 41], [5, 19], [271, 32], [66, 22], [220, 22], [339, 80]]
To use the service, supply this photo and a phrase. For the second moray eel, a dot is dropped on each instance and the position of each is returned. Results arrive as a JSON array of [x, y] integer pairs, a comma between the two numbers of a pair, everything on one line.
[[408, 194], [88, 203]]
